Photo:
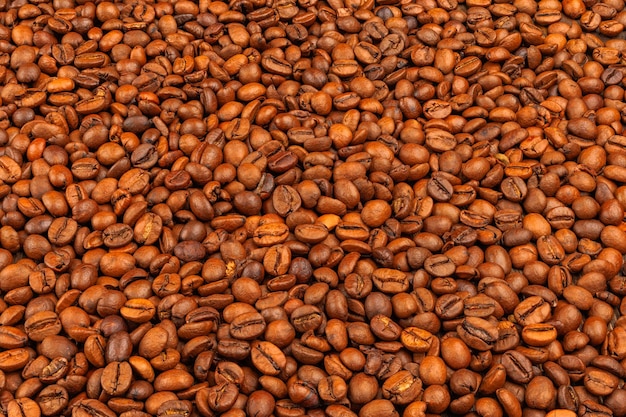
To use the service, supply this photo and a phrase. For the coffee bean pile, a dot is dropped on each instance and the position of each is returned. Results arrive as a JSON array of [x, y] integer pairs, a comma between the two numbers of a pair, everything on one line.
[[322, 208]]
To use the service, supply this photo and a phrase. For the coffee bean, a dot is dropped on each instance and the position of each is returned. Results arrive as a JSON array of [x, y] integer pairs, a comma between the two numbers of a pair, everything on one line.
[[389, 280], [380, 209], [376, 407], [532, 310], [13, 359], [247, 326], [477, 333], [12, 337], [416, 339], [116, 378], [402, 388], [268, 358], [517, 366]]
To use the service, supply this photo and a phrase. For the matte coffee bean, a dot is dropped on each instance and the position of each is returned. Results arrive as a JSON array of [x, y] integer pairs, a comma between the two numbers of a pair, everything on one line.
[[517, 366], [116, 378]]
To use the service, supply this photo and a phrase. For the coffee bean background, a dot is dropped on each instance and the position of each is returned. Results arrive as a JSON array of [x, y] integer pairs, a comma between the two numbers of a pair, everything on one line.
[[340, 208]]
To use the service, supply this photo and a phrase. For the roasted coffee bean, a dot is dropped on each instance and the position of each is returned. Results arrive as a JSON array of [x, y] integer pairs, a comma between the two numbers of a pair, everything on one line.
[[416, 339], [312, 208], [91, 407], [532, 310], [518, 367], [478, 333], [23, 407], [268, 358], [402, 387], [390, 281], [247, 326], [116, 378], [52, 399]]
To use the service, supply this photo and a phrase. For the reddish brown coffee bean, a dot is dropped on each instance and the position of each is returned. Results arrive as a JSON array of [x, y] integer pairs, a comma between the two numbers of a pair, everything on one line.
[[268, 358], [289, 208]]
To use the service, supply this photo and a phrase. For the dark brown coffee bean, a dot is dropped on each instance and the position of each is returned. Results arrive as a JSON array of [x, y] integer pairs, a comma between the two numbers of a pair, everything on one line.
[[517, 366], [440, 189]]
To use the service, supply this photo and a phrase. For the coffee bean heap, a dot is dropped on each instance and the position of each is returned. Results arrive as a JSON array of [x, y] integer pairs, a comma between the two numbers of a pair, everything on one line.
[[322, 208]]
